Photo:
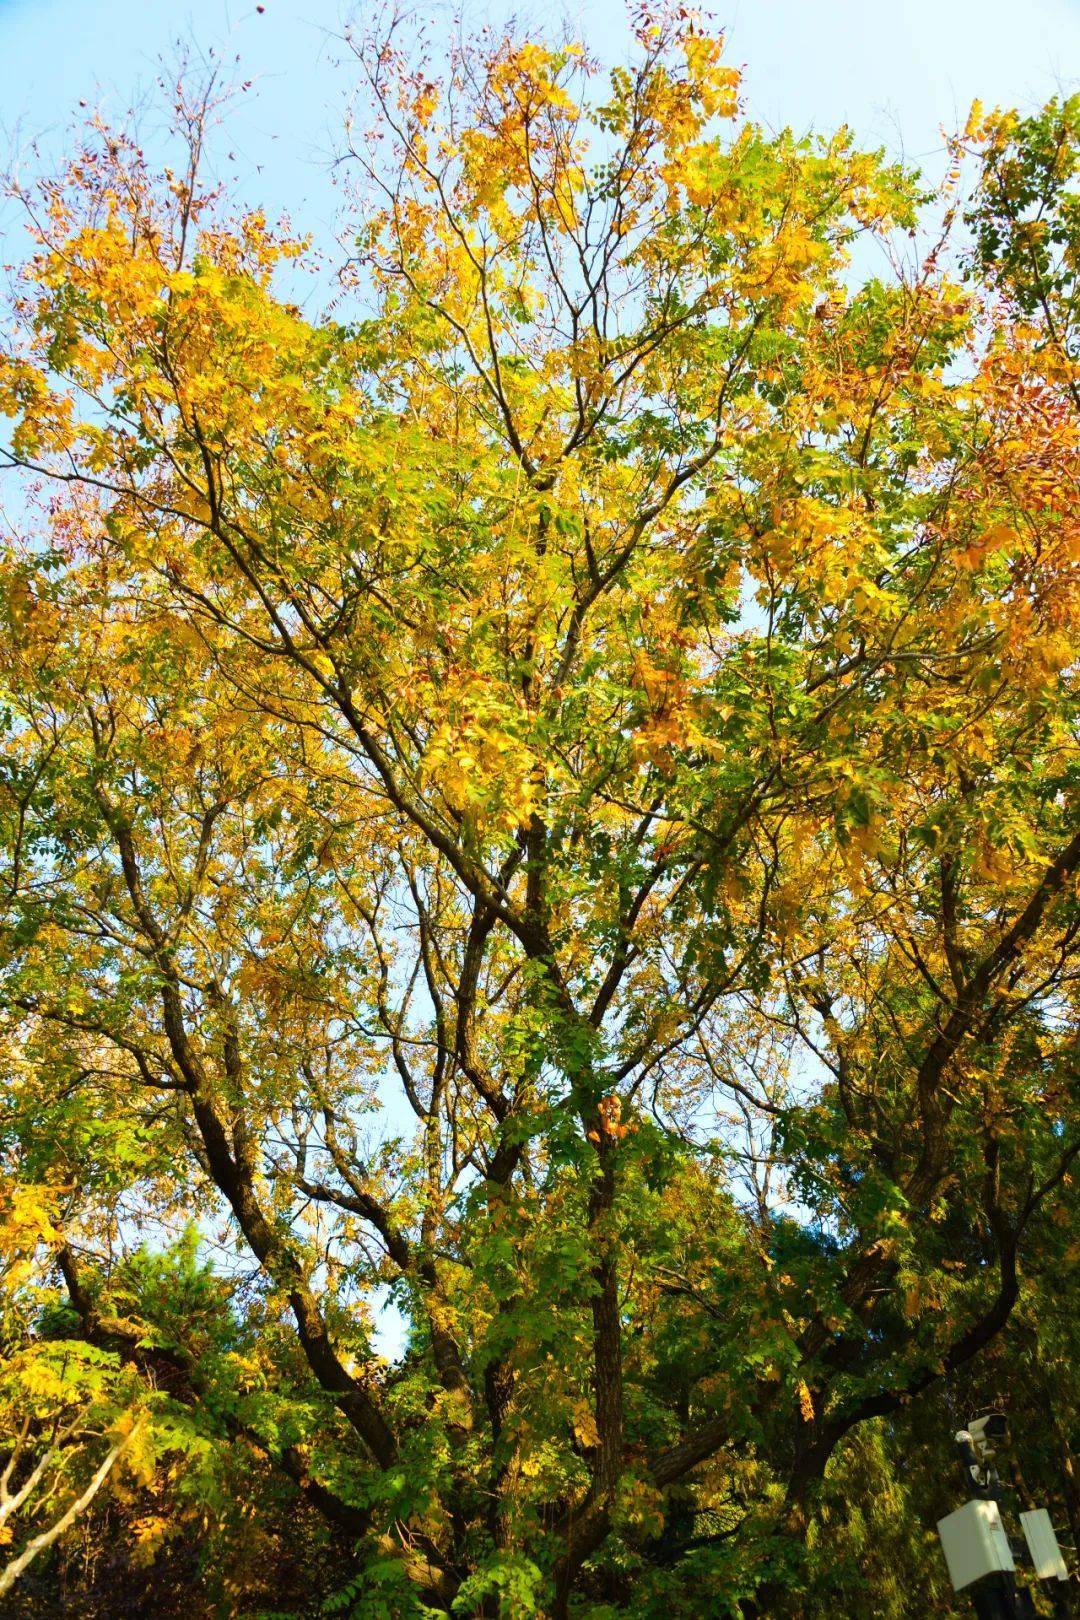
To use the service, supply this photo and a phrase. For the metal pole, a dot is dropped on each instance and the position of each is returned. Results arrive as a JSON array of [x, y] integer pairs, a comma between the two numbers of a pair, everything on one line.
[[996, 1598], [1059, 1596]]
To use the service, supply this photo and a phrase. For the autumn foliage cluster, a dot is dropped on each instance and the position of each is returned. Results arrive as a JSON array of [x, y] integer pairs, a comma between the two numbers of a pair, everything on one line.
[[539, 805]]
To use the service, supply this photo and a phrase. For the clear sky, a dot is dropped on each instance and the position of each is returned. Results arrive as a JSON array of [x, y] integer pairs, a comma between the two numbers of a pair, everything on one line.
[[896, 69]]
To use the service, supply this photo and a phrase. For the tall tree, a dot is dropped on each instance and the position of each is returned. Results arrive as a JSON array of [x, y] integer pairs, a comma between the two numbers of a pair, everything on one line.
[[550, 793]]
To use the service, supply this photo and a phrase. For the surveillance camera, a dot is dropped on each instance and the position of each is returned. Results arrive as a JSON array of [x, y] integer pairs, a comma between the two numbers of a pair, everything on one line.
[[985, 1430]]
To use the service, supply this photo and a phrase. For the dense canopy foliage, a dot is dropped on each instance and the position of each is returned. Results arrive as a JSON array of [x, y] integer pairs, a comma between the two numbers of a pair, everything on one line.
[[540, 803]]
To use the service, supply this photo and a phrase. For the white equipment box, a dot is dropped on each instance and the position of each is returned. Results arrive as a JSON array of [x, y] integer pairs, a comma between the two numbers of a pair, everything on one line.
[[1043, 1546], [974, 1542]]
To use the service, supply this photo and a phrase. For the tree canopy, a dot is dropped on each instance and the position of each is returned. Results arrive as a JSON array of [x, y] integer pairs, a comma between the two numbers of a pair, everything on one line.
[[541, 799]]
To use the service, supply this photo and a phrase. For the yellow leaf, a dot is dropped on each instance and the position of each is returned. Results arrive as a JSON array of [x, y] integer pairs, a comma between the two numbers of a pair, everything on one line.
[[585, 1430]]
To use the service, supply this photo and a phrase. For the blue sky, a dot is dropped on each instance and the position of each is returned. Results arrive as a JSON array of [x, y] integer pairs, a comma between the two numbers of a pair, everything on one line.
[[896, 70]]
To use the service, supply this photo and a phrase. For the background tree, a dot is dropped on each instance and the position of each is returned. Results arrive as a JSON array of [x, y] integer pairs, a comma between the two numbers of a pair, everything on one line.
[[551, 791]]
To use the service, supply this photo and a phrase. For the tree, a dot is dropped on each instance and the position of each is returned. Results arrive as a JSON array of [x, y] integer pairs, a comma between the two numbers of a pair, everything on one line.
[[550, 792], [74, 1414]]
